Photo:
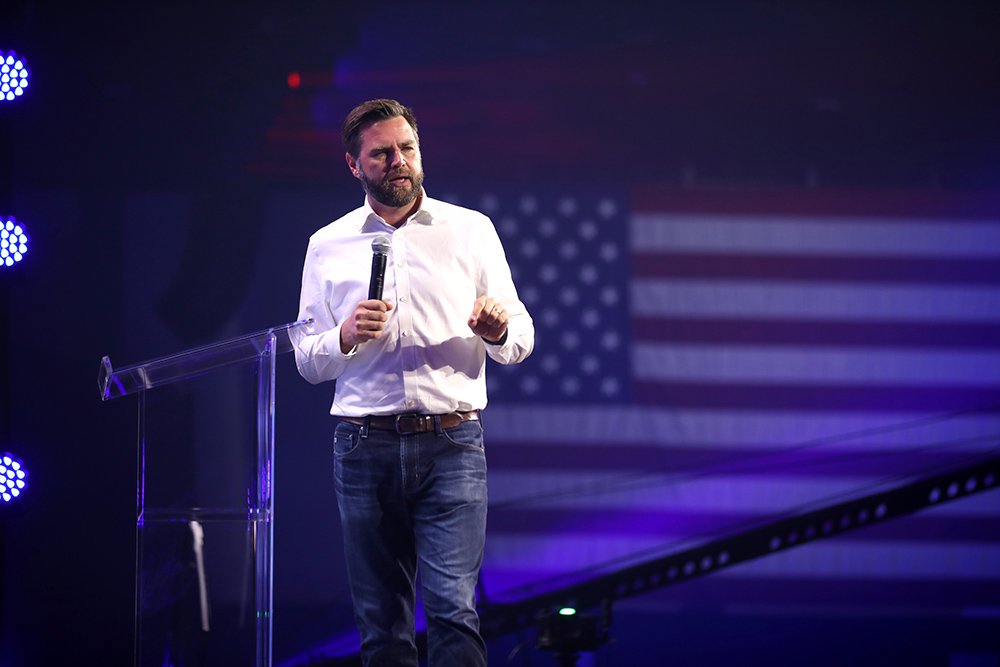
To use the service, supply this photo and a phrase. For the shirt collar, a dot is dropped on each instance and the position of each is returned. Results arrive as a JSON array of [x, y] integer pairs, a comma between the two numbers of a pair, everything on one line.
[[426, 214]]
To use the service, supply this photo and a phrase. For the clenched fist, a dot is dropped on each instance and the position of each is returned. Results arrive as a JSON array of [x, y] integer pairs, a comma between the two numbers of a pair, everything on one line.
[[489, 319], [364, 324]]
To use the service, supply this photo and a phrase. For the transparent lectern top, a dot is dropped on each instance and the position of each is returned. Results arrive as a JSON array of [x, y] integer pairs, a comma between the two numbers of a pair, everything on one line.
[[177, 367]]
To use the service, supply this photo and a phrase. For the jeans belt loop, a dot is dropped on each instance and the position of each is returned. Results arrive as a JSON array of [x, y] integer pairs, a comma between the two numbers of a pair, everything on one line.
[[364, 428], [438, 429]]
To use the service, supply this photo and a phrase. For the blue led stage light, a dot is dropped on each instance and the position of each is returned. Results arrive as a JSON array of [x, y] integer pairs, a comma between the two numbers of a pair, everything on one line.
[[13, 241], [14, 76], [13, 477]]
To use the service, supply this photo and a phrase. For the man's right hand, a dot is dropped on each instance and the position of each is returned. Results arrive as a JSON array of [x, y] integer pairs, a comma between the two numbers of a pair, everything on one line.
[[364, 324]]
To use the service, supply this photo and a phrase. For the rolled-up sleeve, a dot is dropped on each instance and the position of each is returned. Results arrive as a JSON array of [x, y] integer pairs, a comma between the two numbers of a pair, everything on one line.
[[499, 284]]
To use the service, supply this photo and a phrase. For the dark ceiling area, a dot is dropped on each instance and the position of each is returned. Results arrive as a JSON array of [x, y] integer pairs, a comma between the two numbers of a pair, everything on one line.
[[839, 94]]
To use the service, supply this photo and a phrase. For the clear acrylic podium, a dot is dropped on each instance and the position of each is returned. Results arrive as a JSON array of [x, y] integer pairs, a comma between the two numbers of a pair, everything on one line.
[[205, 502]]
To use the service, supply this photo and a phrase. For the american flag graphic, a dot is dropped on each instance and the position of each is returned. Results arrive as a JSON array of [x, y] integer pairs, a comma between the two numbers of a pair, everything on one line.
[[708, 361], [569, 257]]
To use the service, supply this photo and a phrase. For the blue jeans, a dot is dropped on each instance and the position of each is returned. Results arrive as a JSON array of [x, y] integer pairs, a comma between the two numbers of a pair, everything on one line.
[[406, 499]]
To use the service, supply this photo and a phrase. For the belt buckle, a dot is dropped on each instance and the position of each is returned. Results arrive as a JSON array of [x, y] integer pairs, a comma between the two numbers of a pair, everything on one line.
[[418, 422]]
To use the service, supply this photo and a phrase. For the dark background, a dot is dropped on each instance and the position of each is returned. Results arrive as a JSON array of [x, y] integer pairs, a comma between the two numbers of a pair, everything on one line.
[[132, 109]]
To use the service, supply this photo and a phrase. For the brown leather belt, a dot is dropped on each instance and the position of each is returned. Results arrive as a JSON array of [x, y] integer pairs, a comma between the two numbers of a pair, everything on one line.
[[412, 423]]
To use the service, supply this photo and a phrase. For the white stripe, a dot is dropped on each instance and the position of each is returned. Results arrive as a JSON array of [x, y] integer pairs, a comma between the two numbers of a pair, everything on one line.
[[734, 364], [815, 236], [546, 555], [597, 425], [770, 497], [814, 301], [877, 560], [979, 505], [827, 559], [764, 495]]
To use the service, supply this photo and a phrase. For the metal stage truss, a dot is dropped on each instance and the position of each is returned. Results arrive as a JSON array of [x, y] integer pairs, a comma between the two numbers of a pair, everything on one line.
[[499, 619]]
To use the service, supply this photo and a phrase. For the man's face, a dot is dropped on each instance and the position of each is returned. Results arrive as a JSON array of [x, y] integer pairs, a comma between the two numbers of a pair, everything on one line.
[[388, 164]]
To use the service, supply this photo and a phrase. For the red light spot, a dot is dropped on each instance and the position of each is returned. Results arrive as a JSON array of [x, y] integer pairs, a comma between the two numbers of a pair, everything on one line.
[[294, 80]]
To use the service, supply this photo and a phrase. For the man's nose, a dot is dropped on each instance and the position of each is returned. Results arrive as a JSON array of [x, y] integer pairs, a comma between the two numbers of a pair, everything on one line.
[[396, 158]]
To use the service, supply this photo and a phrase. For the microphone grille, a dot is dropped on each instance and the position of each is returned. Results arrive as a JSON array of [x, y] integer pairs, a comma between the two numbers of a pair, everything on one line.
[[381, 245]]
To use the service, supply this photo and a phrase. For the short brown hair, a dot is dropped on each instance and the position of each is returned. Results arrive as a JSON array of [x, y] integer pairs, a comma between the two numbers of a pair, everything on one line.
[[366, 113]]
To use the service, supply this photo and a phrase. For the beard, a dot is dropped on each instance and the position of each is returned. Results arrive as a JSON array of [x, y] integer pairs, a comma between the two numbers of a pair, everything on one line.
[[385, 193]]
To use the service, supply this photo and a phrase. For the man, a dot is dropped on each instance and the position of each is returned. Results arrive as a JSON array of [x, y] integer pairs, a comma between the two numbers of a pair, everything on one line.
[[409, 464]]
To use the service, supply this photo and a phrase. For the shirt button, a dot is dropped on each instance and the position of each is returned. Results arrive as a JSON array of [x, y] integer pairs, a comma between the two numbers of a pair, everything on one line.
[[399, 264], [411, 403], [402, 299], [406, 333]]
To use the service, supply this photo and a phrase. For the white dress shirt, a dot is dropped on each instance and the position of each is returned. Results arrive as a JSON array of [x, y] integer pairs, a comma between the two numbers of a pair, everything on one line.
[[427, 360]]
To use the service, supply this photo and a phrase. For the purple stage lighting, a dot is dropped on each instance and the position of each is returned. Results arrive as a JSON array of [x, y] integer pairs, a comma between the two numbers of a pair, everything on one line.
[[13, 242], [14, 76], [13, 477]]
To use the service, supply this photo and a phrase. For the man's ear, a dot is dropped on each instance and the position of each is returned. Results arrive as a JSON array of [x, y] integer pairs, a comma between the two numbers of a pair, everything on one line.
[[352, 163]]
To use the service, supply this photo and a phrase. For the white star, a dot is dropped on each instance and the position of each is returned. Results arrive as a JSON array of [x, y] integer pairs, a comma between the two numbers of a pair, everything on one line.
[[567, 206]]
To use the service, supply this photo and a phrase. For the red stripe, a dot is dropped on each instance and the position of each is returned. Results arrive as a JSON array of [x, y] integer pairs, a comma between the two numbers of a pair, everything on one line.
[[828, 333], [720, 460], [835, 398], [319, 141], [847, 203], [607, 523], [835, 269], [614, 522], [855, 593], [982, 530]]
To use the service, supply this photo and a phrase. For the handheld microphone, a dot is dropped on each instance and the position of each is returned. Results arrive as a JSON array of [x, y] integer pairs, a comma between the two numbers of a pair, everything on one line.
[[380, 250]]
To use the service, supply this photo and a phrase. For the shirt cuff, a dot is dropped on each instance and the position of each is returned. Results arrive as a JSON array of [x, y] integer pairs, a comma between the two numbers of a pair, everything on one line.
[[345, 355], [503, 339]]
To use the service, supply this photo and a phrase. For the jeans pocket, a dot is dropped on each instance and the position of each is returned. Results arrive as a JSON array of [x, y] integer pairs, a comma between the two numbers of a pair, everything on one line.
[[466, 434], [346, 440]]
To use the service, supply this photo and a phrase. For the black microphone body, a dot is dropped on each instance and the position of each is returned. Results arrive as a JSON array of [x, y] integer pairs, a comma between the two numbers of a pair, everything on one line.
[[380, 253]]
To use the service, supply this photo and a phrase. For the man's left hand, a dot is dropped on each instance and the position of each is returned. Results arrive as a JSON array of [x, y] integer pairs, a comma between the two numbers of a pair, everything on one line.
[[488, 319]]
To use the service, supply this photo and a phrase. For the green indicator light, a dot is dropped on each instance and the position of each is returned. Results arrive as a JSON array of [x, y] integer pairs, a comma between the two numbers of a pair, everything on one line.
[[567, 611]]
